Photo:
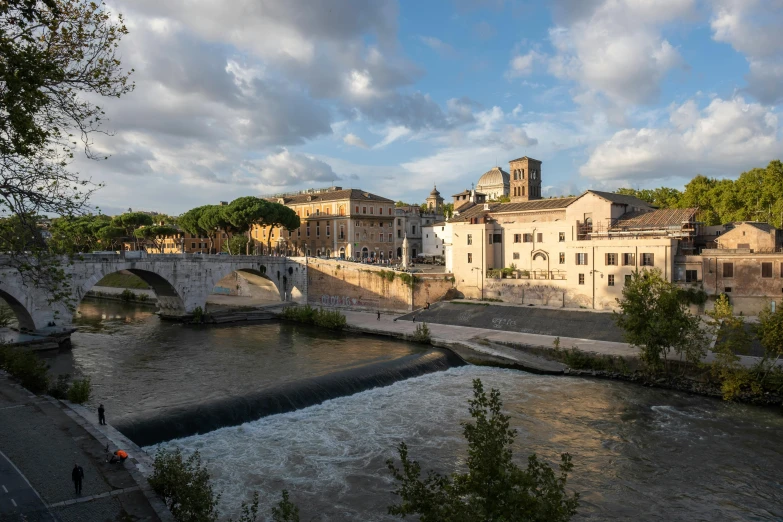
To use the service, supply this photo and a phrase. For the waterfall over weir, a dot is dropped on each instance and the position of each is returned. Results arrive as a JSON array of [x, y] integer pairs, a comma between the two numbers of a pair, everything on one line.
[[183, 421]]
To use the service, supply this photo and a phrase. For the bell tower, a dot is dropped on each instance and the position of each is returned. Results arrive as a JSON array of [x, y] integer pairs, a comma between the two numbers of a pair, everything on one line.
[[525, 179]]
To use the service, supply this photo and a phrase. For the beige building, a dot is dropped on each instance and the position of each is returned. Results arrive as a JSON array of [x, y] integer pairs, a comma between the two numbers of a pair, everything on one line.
[[335, 222], [494, 183]]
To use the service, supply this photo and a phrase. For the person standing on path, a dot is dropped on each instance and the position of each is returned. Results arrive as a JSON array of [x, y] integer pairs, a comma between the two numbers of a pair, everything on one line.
[[101, 415], [77, 475], [379, 315]]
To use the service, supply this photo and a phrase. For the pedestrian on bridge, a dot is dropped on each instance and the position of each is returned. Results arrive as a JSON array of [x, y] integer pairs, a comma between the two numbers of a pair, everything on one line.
[[101, 415], [77, 475]]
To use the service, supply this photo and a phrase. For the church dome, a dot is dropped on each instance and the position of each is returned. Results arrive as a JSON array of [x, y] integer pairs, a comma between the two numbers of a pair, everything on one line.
[[435, 191], [494, 177]]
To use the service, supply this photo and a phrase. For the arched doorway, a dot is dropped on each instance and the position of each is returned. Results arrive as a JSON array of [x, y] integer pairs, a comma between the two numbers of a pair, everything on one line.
[[399, 252], [328, 253], [365, 252], [540, 265], [342, 252]]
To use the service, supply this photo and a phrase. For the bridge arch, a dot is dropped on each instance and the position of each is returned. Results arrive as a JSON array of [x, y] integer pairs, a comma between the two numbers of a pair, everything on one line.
[[250, 282], [170, 302], [17, 306]]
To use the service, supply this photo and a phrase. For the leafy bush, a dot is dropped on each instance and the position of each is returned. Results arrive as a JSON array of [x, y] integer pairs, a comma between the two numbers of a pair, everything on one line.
[[332, 319], [185, 487], [127, 295], [28, 368], [143, 297], [387, 275], [80, 390], [422, 334], [59, 389], [198, 315], [409, 279], [285, 511], [494, 488]]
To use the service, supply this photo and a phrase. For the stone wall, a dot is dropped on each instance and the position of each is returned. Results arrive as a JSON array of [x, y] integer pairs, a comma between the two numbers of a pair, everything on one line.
[[337, 283]]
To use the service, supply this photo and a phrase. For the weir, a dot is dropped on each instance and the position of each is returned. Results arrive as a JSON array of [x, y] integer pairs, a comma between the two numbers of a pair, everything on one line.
[[184, 421]]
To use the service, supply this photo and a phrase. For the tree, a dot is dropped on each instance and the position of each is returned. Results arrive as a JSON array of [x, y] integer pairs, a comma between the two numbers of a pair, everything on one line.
[[279, 216], [656, 320], [243, 213], [131, 221], [156, 234], [213, 221], [494, 488], [732, 338], [189, 221], [185, 486], [448, 210], [770, 333], [236, 245], [57, 57]]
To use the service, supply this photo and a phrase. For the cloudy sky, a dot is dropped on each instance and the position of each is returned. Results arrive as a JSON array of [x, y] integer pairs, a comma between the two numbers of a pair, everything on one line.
[[255, 97]]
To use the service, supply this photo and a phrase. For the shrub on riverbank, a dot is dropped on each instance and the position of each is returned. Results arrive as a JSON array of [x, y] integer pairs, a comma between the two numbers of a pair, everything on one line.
[[422, 334], [306, 314], [26, 367], [79, 391], [59, 389]]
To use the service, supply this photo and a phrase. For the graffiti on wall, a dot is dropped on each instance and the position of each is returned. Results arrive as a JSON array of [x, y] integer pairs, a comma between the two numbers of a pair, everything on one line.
[[503, 324], [339, 300]]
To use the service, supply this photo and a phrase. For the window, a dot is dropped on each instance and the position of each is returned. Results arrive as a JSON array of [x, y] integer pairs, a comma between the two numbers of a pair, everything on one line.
[[518, 239], [561, 237], [516, 255], [629, 259], [328, 231], [470, 258], [390, 215], [540, 237], [308, 230], [627, 279], [611, 259], [728, 269], [470, 239], [691, 276], [307, 212], [581, 279], [727, 290], [413, 230], [193, 245], [364, 210], [610, 280], [647, 260], [399, 234], [581, 259], [318, 229], [372, 210], [527, 238], [766, 269], [357, 209], [399, 222], [562, 258], [342, 232], [497, 238]]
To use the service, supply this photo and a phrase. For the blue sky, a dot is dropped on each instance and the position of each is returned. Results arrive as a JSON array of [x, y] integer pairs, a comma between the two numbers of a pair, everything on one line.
[[270, 96]]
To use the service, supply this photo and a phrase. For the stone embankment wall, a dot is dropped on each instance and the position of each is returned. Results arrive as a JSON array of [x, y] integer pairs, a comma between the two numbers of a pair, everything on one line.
[[543, 292], [337, 283]]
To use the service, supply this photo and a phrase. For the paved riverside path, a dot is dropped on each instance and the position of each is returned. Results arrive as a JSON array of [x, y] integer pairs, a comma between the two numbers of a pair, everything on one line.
[[43, 441], [368, 322]]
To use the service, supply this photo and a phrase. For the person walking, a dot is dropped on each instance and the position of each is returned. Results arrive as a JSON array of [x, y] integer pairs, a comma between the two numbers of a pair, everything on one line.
[[379, 315], [101, 415], [77, 475]]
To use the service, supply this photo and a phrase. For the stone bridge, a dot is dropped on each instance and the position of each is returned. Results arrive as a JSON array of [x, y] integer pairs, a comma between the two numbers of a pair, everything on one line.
[[182, 282]]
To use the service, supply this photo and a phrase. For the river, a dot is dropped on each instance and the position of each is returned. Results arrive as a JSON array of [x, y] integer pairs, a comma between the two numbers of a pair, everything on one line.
[[639, 453]]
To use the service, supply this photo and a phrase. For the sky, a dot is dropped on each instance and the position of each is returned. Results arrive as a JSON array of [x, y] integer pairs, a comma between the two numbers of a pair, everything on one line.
[[258, 97]]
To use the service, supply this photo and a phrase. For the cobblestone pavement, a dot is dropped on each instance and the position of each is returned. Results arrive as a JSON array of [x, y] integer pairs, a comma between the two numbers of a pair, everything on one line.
[[44, 443]]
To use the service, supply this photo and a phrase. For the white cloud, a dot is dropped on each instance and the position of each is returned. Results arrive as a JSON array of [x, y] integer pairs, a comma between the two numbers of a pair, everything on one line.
[[753, 28], [724, 137], [614, 49], [285, 169], [355, 141], [392, 135], [438, 45], [522, 64]]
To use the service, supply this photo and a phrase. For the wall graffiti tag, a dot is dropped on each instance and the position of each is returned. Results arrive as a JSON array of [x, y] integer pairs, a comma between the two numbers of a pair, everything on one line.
[[499, 322], [340, 300]]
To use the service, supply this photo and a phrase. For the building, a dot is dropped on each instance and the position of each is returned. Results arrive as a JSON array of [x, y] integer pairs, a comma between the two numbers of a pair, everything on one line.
[[525, 179], [494, 183], [335, 222], [433, 242], [467, 198]]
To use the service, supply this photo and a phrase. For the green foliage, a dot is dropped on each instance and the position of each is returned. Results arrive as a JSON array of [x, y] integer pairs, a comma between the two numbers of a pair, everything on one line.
[[184, 484], [693, 295], [409, 279], [657, 321], [494, 273], [80, 390], [7, 315], [127, 295], [422, 334], [285, 511], [142, 297], [385, 274], [237, 245], [156, 235], [494, 488], [26, 367], [448, 209], [198, 315], [249, 512], [121, 280], [306, 314], [756, 194], [59, 389]]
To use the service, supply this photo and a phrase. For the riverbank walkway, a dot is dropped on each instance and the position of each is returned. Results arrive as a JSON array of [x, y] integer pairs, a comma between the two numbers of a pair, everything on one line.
[[40, 441], [496, 343]]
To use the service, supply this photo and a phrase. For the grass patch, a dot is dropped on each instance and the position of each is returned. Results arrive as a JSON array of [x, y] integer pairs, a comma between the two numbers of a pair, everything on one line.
[[331, 319], [120, 280]]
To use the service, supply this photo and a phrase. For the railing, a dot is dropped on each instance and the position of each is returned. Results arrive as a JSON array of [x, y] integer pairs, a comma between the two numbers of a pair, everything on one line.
[[527, 274]]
